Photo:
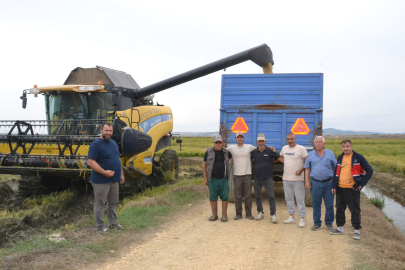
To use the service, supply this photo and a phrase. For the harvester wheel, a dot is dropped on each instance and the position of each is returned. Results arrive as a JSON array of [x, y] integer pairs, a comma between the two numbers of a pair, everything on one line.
[[169, 162], [141, 183], [127, 189], [231, 195]]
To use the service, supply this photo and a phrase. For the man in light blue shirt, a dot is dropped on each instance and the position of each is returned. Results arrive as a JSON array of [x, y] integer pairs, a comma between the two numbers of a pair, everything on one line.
[[320, 165]]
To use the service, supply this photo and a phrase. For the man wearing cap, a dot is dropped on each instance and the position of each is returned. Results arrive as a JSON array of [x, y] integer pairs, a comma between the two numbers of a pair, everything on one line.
[[216, 171], [262, 158], [242, 171], [293, 178]]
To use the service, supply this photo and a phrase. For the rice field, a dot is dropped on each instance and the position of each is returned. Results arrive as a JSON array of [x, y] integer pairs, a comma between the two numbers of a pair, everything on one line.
[[385, 155]]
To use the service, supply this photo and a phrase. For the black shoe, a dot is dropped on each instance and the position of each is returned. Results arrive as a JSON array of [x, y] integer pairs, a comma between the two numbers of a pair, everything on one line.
[[329, 227], [316, 227], [237, 217], [250, 217]]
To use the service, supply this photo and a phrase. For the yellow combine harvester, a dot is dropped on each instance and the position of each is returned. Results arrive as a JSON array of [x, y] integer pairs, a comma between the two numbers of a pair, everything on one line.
[[51, 154]]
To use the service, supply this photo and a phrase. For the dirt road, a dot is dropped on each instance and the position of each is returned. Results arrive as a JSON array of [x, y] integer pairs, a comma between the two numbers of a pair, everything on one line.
[[193, 242]]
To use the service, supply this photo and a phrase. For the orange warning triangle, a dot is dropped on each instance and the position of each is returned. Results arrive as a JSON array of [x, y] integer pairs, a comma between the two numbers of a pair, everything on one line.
[[239, 126], [300, 127]]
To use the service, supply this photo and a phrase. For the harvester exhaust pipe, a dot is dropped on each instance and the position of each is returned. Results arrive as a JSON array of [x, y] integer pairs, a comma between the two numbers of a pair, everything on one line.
[[260, 55]]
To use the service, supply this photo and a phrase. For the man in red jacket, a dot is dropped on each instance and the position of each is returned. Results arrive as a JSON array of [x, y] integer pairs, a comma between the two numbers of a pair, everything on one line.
[[349, 179]]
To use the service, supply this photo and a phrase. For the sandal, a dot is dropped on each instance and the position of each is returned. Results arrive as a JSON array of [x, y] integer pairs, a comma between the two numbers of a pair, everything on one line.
[[213, 218], [224, 219]]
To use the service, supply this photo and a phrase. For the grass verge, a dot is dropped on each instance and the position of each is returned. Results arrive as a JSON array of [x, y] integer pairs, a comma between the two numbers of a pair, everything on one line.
[[83, 245], [382, 244]]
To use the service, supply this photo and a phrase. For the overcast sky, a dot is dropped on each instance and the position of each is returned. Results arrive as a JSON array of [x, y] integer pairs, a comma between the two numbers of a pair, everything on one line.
[[357, 45]]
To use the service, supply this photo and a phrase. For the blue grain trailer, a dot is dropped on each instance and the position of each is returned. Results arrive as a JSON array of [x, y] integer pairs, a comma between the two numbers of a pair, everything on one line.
[[273, 104]]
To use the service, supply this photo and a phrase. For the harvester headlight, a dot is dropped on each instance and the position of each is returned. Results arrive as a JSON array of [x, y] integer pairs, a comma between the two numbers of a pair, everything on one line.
[[89, 88], [34, 90]]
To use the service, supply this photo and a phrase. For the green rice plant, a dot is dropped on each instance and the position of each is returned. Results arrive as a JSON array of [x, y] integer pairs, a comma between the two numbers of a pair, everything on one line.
[[377, 201], [9, 177], [191, 147], [55, 200], [9, 217], [384, 155], [36, 206]]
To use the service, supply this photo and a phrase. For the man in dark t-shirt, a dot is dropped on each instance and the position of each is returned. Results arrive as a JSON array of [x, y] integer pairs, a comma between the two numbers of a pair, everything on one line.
[[104, 160], [216, 172], [262, 158]]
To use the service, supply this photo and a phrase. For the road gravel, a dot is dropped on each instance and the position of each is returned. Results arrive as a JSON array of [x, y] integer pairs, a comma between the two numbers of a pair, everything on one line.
[[190, 241]]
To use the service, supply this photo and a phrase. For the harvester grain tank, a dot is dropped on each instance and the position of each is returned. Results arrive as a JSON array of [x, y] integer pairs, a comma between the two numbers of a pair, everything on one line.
[[48, 153]]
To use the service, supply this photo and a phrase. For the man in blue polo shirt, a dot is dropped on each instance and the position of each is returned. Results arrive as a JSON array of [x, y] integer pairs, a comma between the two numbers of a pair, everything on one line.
[[262, 158], [320, 165], [104, 160]]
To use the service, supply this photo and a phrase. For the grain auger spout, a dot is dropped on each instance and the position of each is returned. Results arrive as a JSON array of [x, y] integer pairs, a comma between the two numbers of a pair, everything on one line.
[[260, 55]]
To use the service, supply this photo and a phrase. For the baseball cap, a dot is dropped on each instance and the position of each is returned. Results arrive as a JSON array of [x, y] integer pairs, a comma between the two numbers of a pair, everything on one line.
[[260, 136], [217, 138], [239, 133]]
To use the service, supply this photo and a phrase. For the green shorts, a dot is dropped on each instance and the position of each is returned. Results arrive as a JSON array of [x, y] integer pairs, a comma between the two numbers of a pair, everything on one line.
[[218, 187]]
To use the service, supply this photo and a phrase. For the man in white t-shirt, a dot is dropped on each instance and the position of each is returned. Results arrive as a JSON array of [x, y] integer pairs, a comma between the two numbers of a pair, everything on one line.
[[293, 178], [242, 171]]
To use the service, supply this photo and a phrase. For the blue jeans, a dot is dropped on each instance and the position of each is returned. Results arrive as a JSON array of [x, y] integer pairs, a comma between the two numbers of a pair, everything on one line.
[[323, 190]]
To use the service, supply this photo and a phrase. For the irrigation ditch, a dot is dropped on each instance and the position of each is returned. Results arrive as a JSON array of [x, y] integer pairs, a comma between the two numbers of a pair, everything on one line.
[[393, 210]]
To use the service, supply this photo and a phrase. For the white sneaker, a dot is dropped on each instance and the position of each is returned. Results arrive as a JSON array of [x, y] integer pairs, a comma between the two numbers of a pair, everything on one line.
[[103, 231], [260, 216], [273, 219], [301, 224], [289, 220]]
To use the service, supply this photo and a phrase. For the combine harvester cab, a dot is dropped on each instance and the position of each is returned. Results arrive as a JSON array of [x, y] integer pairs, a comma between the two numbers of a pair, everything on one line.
[[51, 154]]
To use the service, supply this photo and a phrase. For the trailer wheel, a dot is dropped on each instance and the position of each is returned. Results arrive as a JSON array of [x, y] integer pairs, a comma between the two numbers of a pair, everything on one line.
[[231, 195], [308, 198], [169, 162]]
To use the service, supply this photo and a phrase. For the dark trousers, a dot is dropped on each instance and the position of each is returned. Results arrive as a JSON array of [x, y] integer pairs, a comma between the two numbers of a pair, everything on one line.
[[243, 188], [268, 184], [348, 197]]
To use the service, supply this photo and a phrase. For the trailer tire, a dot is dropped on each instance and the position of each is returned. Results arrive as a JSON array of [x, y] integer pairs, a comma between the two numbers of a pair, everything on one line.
[[308, 198], [231, 194], [169, 162]]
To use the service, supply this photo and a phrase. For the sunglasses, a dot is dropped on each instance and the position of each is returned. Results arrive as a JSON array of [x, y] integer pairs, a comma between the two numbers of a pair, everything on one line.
[[218, 142]]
